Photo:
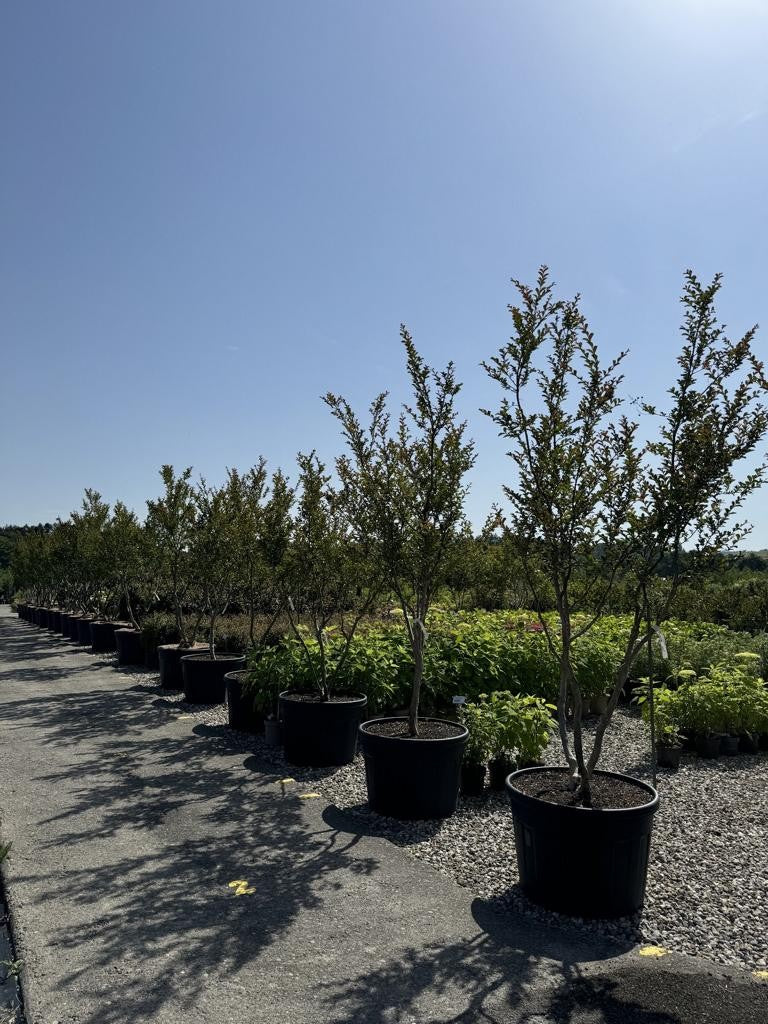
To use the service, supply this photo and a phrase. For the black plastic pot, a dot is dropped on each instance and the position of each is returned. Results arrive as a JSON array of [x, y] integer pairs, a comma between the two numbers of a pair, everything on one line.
[[84, 630], [74, 619], [763, 742], [749, 743], [729, 746], [580, 861], [320, 733], [708, 746], [668, 756], [129, 647], [151, 659], [273, 732], [498, 770], [63, 623], [203, 676], [169, 662], [240, 711], [54, 617], [412, 778], [472, 779], [103, 636]]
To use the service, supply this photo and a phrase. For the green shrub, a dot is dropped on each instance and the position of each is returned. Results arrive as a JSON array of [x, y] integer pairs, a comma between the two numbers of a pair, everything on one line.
[[507, 724]]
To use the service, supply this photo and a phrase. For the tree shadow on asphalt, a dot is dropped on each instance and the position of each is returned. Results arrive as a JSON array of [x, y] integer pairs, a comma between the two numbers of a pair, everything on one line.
[[236, 861], [517, 971], [511, 969], [233, 867]]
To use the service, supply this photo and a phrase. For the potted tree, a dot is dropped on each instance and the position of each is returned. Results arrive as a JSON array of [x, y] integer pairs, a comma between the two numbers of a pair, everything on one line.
[[170, 525], [126, 554], [100, 595], [591, 508], [216, 571], [262, 531], [406, 492], [331, 587]]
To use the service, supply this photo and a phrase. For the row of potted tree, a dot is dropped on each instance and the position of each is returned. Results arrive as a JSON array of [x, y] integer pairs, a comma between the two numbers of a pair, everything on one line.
[[593, 507]]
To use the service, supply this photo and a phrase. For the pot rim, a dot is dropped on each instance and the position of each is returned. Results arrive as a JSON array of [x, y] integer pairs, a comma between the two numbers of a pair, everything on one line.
[[196, 656], [351, 698], [197, 646], [535, 801], [414, 739]]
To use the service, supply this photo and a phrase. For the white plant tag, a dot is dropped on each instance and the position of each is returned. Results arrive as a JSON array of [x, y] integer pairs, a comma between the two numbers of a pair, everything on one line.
[[662, 643]]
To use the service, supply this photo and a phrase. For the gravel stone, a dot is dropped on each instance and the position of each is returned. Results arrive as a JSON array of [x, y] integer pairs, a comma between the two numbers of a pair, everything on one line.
[[708, 876]]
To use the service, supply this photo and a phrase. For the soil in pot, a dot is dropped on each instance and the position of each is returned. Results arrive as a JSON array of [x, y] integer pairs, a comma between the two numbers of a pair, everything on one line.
[[169, 662], [668, 755], [413, 778], [587, 861], [129, 646], [472, 779], [203, 676], [320, 733], [240, 711], [498, 770]]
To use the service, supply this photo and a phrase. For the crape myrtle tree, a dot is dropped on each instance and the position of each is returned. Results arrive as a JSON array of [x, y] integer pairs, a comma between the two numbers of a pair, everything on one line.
[[170, 524], [214, 560], [405, 487], [29, 564], [330, 581], [261, 520], [592, 507], [126, 555], [97, 587]]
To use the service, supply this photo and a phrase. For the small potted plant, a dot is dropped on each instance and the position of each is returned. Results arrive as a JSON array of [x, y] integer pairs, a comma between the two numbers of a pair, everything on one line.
[[475, 717]]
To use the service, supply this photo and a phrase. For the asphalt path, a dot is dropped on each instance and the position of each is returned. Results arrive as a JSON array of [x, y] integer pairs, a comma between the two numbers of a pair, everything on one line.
[[158, 875]]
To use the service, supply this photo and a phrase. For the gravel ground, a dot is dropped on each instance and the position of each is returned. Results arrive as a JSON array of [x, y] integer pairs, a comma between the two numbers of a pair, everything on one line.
[[708, 878]]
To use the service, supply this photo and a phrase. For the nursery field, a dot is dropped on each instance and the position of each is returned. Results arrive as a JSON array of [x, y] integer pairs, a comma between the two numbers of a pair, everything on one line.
[[708, 874]]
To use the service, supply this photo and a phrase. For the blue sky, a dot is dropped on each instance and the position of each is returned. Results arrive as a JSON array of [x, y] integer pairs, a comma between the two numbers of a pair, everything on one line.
[[211, 213]]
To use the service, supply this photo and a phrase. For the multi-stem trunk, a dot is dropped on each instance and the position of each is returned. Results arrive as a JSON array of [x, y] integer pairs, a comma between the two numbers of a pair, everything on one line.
[[417, 643], [129, 607]]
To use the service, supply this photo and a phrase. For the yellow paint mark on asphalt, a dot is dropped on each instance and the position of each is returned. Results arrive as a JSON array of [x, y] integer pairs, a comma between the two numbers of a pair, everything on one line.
[[761, 975], [184, 716], [653, 951], [241, 887], [286, 780], [308, 796]]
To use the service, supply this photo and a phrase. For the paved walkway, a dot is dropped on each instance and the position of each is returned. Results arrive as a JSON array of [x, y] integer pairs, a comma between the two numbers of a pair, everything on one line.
[[130, 830]]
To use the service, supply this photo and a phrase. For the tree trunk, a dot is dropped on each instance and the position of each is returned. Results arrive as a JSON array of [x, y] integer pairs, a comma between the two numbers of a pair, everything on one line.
[[418, 672]]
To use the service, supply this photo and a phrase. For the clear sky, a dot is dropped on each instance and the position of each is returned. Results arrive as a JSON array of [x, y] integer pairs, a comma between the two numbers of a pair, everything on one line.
[[213, 212]]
